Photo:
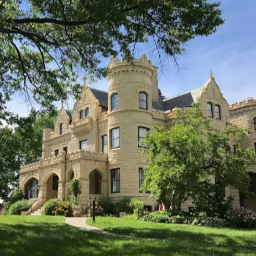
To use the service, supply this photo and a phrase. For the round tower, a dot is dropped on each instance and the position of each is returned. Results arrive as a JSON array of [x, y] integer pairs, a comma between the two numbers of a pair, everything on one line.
[[129, 117]]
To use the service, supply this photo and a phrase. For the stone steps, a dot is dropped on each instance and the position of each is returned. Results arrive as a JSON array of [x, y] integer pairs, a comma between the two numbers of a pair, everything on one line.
[[37, 212]]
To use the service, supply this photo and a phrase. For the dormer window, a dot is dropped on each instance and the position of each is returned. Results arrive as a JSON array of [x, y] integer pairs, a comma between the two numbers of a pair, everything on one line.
[[143, 104], [209, 108], [81, 114], [114, 101], [217, 112], [61, 125], [254, 123], [87, 112]]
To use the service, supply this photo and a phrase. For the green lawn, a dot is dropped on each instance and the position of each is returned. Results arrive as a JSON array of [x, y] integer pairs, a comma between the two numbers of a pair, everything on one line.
[[42, 235]]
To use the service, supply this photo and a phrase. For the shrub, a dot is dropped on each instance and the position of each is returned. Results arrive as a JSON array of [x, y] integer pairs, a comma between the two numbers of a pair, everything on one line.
[[242, 218], [159, 217], [138, 207], [209, 222], [181, 219], [107, 205], [130, 217], [17, 207], [50, 205], [123, 205], [15, 196], [75, 189], [99, 211], [63, 209]]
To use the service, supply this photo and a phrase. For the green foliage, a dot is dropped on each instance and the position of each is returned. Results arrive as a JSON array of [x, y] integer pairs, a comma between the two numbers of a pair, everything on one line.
[[63, 209], [50, 205], [75, 189], [123, 205], [209, 222], [16, 195], [242, 218], [44, 42], [194, 160], [107, 205], [158, 217], [17, 207], [138, 207], [130, 217]]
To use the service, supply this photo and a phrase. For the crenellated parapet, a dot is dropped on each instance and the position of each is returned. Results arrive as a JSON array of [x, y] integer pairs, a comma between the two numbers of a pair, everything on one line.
[[128, 64], [89, 155], [242, 103]]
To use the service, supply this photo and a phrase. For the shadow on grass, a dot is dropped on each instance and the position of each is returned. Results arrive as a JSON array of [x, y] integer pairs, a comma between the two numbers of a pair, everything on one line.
[[58, 239]]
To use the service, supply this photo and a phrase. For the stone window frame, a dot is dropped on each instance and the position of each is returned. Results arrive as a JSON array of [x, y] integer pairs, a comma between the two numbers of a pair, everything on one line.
[[141, 101], [217, 106], [81, 114], [102, 143], [114, 102], [80, 144], [141, 177], [111, 138], [115, 180], [56, 152], [254, 123], [61, 128], [254, 147], [143, 138]]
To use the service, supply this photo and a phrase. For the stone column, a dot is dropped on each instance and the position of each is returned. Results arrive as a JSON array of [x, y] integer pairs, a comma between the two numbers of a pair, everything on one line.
[[104, 188], [61, 190], [42, 191]]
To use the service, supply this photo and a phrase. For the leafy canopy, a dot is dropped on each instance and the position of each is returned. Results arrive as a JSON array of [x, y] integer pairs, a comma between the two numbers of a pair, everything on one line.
[[44, 43], [192, 158]]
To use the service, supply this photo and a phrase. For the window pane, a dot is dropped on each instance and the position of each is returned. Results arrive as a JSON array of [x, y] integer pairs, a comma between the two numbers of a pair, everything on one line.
[[142, 100], [115, 180], [81, 114], [142, 135], [217, 112], [114, 101], [104, 144], [209, 107], [83, 145], [115, 138], [61, 128], [87, 112], [141, 177], [254, 123]]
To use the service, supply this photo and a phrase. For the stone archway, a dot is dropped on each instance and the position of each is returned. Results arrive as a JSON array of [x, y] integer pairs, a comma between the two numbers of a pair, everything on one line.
[[95, 182], [52, 186], [31, 189]]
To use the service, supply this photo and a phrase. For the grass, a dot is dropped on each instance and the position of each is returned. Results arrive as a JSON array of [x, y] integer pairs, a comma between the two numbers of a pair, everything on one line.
[[45, 235], [174, 232]]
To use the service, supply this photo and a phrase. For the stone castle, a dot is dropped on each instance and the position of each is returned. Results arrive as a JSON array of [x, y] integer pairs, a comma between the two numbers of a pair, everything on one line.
[[100, 141]]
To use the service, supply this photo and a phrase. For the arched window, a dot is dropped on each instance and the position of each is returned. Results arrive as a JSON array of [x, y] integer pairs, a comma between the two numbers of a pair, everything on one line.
[[254, 123], [217, 112], [114, 101], [87, 112], [81, 114], [209, 108], [31, 189], [61, 128], [143, 104]]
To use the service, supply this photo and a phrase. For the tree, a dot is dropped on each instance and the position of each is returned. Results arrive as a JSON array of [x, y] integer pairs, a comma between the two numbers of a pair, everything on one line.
[[192, 159], [20, 145], [44, 43]]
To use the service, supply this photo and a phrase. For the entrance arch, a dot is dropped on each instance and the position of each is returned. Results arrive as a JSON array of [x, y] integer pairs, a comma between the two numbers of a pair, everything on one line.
[[52, 186], [95, 182], [31, 189]]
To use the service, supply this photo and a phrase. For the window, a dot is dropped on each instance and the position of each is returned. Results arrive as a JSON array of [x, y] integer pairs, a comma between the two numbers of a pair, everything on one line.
[[115, 138], [56, 152], [234, 148], [254, 123], [114, 101], [141, 177], [83, 145], [255, 147], [65, 149], [104, 144], [115, 180], [81, 114], [209, 108], [55, 180], [31, 189], [61, 128], [87, 112], [217, 112], [143, 100], [141, 135]]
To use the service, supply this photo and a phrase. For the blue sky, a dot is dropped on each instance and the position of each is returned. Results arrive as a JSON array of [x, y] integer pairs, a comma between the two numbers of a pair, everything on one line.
[[230, 54]]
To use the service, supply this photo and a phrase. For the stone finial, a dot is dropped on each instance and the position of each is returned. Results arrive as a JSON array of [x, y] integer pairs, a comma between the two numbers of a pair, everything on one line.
[[211, 74], [62, 103], [84, 78]]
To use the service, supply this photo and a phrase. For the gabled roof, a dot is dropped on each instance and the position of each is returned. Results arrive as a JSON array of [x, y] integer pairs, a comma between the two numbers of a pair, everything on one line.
[[182, 100], [69, 114], [101, 96]]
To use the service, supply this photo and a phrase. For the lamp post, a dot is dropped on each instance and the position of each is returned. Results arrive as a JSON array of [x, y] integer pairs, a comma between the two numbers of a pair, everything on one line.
[[93, 211]]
